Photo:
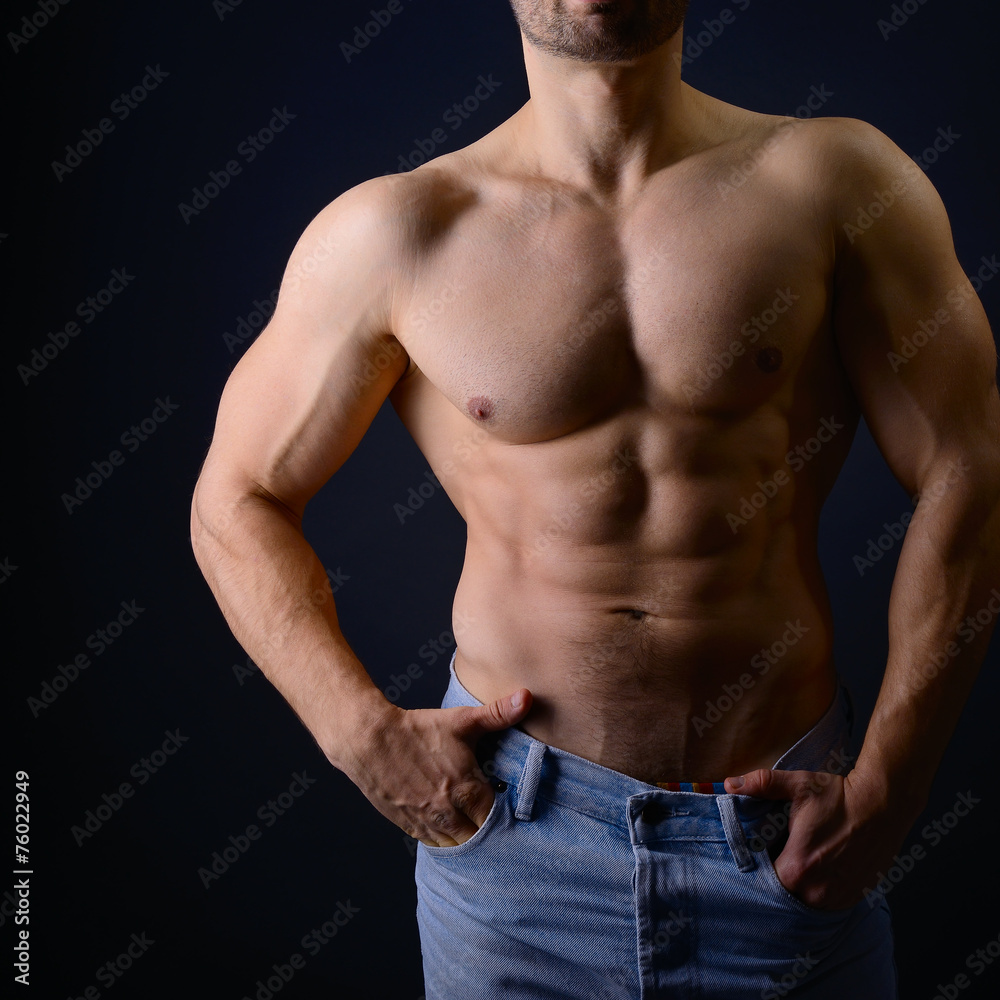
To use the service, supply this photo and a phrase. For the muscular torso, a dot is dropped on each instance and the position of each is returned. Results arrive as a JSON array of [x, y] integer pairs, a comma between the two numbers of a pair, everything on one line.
[[638, 408]]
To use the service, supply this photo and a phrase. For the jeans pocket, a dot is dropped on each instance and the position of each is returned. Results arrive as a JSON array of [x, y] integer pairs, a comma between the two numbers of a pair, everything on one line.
[[764, 852], [497, 810]]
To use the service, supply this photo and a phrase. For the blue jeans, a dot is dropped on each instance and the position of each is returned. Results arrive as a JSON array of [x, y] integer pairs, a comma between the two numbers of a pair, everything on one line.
[[586, 884]]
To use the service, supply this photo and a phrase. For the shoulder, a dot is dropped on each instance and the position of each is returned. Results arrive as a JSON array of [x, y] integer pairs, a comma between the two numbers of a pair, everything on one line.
[[812, 159], [857, 148], [377, 230], [850, 162], [873, 189], [852, 175], [824, 150], [407, 206], [383, 215]]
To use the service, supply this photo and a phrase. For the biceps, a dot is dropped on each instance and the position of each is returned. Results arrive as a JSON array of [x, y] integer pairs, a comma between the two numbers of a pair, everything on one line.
[[916, 344], [298, 403]]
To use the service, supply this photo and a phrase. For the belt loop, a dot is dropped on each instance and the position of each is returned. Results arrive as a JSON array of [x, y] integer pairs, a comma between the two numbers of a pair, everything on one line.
[[734, 833], [528, 783]]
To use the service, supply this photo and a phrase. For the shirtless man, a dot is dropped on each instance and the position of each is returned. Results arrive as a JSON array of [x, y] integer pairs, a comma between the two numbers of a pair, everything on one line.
[[632, 330]]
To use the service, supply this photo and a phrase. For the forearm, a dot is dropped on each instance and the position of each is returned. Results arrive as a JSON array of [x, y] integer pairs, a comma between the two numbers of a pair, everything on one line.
[[942, 612], [276, 597]]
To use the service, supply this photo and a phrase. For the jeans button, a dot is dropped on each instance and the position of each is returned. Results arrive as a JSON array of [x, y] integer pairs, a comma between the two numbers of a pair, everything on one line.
[[652, 813], [501, 786]]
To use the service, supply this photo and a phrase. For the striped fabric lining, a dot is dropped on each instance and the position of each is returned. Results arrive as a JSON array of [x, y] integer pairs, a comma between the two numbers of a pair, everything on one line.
[[705, 787]]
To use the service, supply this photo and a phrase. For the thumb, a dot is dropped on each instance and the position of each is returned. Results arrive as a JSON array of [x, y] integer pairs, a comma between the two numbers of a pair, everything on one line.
[[765, 784], [502, 713]]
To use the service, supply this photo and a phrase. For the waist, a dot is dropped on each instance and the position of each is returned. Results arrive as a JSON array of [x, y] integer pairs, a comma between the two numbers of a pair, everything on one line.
[[665, 725], [588, 786]]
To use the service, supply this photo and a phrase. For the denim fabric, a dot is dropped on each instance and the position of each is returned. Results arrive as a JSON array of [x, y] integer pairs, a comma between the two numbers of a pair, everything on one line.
[[586, 884]]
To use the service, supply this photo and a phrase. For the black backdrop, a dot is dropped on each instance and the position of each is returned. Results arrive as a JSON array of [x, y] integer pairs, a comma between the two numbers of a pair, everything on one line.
[[113, 870]]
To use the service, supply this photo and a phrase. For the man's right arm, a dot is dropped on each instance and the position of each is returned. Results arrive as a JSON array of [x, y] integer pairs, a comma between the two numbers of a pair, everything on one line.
[[294, 409]]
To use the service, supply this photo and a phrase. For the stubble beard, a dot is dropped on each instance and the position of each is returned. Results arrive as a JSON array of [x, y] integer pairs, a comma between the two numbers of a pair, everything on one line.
[[605, 34]]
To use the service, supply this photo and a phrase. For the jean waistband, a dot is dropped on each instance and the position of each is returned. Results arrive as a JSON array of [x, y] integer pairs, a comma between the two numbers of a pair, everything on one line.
[[537, 769]]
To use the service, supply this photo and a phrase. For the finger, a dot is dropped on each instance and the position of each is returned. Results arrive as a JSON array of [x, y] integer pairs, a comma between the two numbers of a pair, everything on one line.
[[443, 841], [765, 783], [496, 715], [450, 828], [475, 801], [471, 804]]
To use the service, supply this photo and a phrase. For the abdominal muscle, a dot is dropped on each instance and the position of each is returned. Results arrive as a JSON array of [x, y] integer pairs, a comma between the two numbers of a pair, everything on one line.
[[652, 644]]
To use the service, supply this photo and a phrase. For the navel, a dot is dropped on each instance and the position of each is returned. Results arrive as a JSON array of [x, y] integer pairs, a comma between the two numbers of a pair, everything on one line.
[[480, 407], [632, 614], [769, 359]]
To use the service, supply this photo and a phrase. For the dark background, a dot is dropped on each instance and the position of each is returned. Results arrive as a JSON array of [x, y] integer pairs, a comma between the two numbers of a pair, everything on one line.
[[163, 336]]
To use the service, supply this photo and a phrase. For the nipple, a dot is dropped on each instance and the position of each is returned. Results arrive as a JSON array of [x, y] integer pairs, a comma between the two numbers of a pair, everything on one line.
[[480, 407], [769, 359]]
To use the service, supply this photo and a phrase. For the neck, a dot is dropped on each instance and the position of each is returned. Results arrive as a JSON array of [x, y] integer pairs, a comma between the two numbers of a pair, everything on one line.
[[607, 126]]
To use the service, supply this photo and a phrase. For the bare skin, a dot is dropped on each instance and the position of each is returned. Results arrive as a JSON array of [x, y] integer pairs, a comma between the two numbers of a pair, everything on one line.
[[613, 326]]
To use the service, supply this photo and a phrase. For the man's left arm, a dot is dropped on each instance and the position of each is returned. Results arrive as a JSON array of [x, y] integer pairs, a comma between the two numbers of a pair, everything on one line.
[[917, 348]]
